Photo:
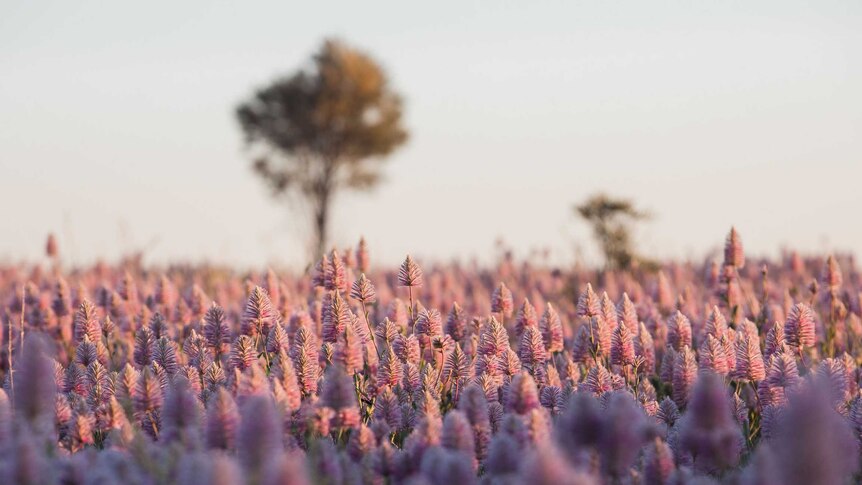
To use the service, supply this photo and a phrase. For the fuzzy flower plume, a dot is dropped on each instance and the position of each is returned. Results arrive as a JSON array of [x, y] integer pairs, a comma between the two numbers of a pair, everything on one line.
[[815, 444], [532, 350], [338, 394], [749, 360], [547, 466], [708, 429], [527, 317], [456, 323], [334, 273], [799, 329], [684, 375], [623, 434], [552, 329], [523, 395], [259, 434], [734, 255], [363, 259], [86, 323], [622, 347], [501, 301], [410, 274], [831, 274], [713, 357], [33, 395], [363, 291], [589, 304], [627, 314], [336, 316], [259, 314], [679, 331], [216, 329]]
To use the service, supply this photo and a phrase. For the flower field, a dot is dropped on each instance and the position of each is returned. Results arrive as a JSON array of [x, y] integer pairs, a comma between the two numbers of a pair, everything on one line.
[[737, 371]]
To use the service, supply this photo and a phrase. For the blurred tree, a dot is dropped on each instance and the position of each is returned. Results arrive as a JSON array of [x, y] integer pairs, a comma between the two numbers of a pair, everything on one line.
[[612, 221], [324, 130]]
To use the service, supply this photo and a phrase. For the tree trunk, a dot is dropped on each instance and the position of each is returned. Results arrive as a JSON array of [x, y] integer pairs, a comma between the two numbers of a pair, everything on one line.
[[323, 196], [321, 220]]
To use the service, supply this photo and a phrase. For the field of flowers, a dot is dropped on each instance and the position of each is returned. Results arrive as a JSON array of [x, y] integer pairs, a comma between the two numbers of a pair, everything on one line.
[[732, 371]]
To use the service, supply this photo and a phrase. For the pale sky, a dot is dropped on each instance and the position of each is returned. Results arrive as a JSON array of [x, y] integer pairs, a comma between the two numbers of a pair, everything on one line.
[[117, 126]]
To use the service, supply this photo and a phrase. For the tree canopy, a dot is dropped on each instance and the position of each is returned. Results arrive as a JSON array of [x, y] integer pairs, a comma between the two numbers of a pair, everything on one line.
[[324, 129]]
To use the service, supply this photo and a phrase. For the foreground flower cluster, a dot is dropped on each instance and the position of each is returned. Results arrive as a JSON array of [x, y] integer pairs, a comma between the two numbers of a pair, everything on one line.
[[722, 373]]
